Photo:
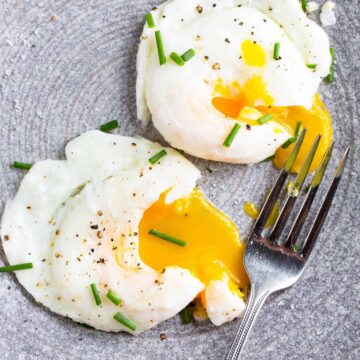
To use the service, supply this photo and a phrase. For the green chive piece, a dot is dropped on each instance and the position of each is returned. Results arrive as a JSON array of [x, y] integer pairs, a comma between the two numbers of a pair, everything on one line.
[[270, 158], [185, 315], [21, 165], [276, 51], [113, 297], [111, 125], [16, 267], [160, 47], [125, 321], [186, 56], [297, 129], [265, 119], [296, 248], [150, 20], [291, 140], [167, 237], [154, 159], [304, 5], [288, 142], [294, 151], [311, 66], [330, 77], [230, 138], [96, 294], [177, 58]]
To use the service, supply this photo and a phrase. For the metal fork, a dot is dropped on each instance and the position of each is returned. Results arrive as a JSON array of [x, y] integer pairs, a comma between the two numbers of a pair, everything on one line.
[[273, 263]]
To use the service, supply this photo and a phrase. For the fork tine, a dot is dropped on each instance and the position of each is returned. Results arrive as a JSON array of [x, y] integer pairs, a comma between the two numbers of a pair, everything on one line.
[[324, 209], [275, 191], [293, 194], [305, 208]]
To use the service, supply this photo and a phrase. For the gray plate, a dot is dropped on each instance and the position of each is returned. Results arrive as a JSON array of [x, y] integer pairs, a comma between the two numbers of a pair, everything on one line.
[[61, 78]]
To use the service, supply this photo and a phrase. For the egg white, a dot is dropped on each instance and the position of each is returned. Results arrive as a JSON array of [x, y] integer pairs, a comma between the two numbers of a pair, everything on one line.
[[179, 98], [77, 221], [222, 305]]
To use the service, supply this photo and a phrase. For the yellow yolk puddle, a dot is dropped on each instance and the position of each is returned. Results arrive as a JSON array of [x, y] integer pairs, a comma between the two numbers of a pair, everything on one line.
[[213, 248], [253, 54], [242, 103]]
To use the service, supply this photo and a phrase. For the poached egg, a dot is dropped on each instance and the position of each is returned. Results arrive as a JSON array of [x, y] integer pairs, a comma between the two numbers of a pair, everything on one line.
[[86, 220], [234, 78]]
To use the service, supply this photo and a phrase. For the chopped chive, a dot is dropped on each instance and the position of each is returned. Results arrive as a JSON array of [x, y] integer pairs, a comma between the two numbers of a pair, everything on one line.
[[160, 47], [296, 248], [188, 55], [125, 321], [230, 138], [167, 237], [288, 142], [276, 51], [113, 297], [96, 294], [330, 77], [185, 315], [270, 158], [291, 140], [264, 119], [177, 58], [311, 66], [154, 159], [111, 125], [297, 129], [16, 267], [150, 20], [21, 165], [304, 5]]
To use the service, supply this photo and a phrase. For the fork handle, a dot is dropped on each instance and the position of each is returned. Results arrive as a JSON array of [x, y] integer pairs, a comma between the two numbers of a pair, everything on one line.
[[255, 303]]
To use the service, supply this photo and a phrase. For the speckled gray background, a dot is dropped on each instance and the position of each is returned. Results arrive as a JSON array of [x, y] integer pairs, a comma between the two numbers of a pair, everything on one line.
[[60, 78]]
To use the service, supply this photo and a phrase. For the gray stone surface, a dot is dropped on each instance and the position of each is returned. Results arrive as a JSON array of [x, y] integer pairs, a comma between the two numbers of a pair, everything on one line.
[[60, 78]]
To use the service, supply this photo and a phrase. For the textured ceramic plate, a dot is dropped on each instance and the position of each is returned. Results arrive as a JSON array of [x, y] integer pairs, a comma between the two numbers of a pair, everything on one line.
[[66, 66]]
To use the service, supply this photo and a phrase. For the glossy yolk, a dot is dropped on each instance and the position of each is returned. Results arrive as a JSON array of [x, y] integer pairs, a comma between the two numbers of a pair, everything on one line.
[[213, 249], [253, 54], [239, 102]]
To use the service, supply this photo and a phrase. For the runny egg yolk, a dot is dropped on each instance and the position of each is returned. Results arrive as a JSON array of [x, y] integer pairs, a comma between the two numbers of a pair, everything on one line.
[[213, 250], [242, 104]]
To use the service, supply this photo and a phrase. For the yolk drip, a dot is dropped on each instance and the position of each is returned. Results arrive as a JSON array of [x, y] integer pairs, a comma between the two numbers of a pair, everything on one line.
[[253, 54], [213, 248], [243, 104]]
